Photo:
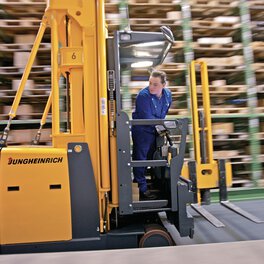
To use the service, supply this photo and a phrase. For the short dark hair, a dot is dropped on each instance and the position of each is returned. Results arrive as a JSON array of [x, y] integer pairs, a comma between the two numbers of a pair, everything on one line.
[[160, 74]]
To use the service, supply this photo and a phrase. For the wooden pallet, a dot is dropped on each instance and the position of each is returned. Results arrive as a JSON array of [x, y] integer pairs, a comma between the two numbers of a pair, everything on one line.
[[22, 2], [151, 1], [229, 110], [226, 68], [257, 25], [231, 137], [151, 10], [154, 21], [233, 61], [172, 66], [217, 46], [23, 47], [179, 112], [22, 116], [260, 88], [258, 49], [258, 67], [218, 3], [179, 89], [211, 11], [261, 137], [256, 4], [19, 23], [217, 50], [16, 8], [225, 154], [259, 110], [214, 24], [239, 183], [17, 71], [34, 92], [111, 8]]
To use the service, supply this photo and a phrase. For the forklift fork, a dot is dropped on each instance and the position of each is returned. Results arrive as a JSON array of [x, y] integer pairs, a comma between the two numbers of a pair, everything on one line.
[[205, 172], [223, 195]]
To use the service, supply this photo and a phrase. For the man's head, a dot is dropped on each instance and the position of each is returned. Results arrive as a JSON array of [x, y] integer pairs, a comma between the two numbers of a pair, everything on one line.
[[157, 82]]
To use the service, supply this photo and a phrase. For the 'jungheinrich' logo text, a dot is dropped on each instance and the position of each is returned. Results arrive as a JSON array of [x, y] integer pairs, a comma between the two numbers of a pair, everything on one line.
[[12, 161]]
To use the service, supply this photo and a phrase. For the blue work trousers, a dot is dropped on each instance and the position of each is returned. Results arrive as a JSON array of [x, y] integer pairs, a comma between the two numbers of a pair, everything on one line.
[[144, 144]]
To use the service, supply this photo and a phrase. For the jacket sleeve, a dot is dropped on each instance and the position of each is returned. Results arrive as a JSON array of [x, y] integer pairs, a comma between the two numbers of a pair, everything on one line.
[[169, 99], [143, 107]]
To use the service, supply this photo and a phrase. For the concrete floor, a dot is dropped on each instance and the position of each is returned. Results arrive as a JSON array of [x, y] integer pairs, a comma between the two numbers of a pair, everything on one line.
[[240, 241]]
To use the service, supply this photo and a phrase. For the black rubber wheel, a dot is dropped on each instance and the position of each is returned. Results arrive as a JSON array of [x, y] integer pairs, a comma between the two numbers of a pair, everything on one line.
[[155, 236]]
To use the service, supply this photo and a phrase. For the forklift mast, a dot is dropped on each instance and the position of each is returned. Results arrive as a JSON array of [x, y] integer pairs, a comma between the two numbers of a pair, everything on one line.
[[78, 53]]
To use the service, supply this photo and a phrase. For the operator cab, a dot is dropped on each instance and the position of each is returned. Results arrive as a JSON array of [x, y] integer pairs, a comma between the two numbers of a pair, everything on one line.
[[130, 55], [134, 54]]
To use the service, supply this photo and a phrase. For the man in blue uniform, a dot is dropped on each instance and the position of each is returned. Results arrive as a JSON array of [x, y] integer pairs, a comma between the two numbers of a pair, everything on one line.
[[152, 102]]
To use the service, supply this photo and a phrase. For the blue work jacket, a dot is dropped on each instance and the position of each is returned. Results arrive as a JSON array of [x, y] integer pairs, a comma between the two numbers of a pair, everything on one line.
[[149, 106]]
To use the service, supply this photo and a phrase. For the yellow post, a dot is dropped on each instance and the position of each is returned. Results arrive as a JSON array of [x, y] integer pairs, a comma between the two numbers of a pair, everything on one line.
[[104, 146], [55, 75], [195, 119], [46, 110], [207, 111], [28, 67]]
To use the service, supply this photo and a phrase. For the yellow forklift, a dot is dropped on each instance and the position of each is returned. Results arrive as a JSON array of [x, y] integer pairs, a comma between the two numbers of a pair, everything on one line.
[[77, 193]]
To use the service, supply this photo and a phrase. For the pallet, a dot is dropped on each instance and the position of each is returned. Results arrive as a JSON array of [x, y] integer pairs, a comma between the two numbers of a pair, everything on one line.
[[217, 50], [211, 11], [23, 47], [261, 137], [22, 116], [231, 137], [227, 154], [229, 110], [259, 110], [256, 4], [232, 61], [240, 183], [151, 10], [214, 24], [151, 1], [221, 32], [19, 23], [235, 110], [178, 89], [241, 159], [22, 2], [218, 46], [257, 25], [179, 112], [258, 49], [111, 8], [216, 3], [29, 92], [16, 8], [228, 89], [258, 67], [153, 22], [155, 28], [17, 71], [225, 68]]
